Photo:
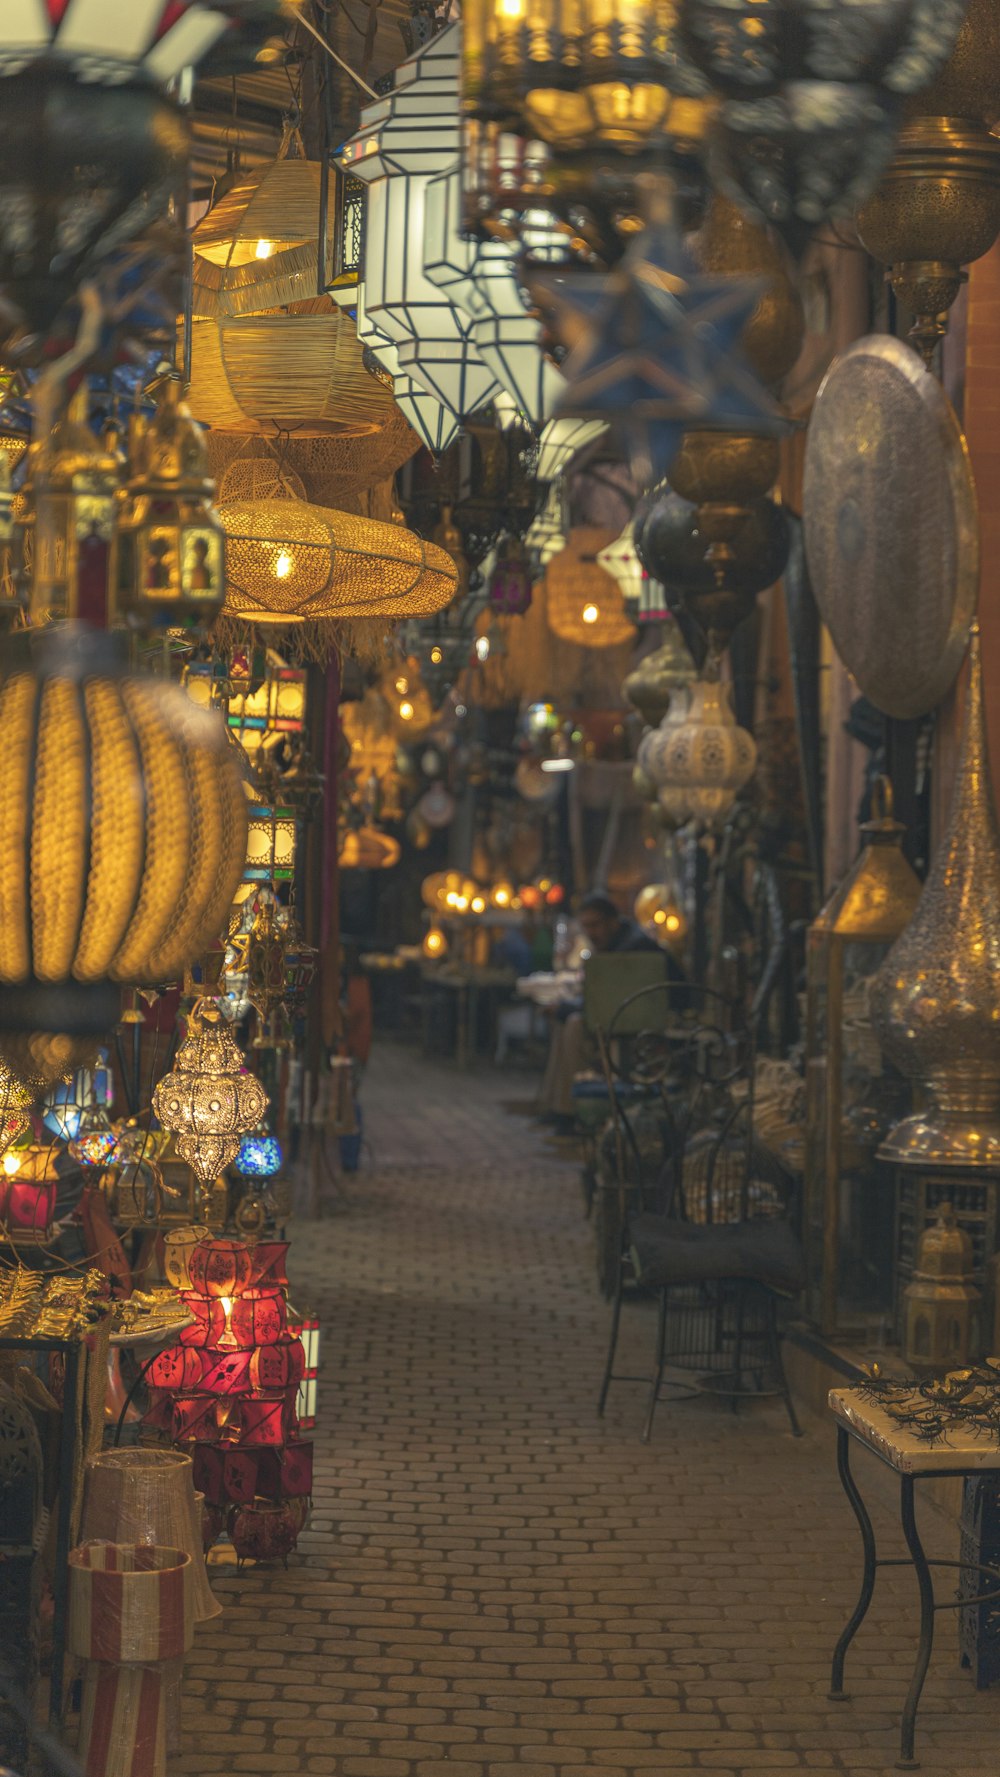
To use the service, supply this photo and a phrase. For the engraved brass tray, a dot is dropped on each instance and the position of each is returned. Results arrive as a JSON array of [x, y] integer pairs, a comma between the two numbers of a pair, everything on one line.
[[891, 525]]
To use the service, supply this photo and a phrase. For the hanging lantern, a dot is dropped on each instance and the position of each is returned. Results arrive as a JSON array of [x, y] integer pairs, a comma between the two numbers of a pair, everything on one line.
[[271, 842], [300, 372], [546, 534], [809, 95], [208, 1100], [85, 74], [255, 248], [292, 562], [653, 684], [620, 559], [259, 1156], [126, 825], [937, 207], [583, 603], [403, 142], [261, 714], [561, 441], [708, 757], [66, 529], [95, 1140], [509, 590], [168, 546], [660, 915]]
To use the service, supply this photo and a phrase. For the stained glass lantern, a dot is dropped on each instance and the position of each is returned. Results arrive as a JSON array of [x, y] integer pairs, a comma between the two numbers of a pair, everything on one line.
[[168, 545], [64, 1104], [28, 1191], [178, 1246], [583, 603], [260, 1155], [621, 561], [126, 824], [208, 1099], [271, 841], [262, 711], [509, 591]]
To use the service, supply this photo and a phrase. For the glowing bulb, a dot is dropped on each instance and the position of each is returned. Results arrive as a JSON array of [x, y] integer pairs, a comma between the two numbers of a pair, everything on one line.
[[402, 686], [284, 565], [590, 613], [435, 942], [477, 904], [659, 917], [482, 648], [406, 711], [502, 895], [510, 9], [673, 924], [437, 656], [461, 903], [263, 249], [11, 1164]]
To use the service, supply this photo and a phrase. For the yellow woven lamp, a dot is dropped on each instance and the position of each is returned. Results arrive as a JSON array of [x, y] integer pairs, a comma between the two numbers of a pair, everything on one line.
[[292, 562], [301, 372], [584, 604], [256, 247]]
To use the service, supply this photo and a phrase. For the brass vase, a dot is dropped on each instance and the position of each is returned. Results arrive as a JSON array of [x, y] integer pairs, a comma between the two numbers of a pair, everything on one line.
[[935, 1003]]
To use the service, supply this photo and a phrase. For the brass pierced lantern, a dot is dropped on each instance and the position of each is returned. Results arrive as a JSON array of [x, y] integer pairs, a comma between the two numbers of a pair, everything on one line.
[[939, 1305], [124, 823], [168, 545], [937, 208], [847, 1212], [208, 1100], [66, 518], [574, 77], [708, 757]]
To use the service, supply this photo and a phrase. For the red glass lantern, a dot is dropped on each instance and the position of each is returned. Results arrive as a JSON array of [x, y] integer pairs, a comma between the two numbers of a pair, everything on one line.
[[265, 1530], [26, 1207]]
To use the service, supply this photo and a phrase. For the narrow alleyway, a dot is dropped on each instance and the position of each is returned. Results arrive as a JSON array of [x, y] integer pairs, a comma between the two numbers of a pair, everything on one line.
[[494, 1582]]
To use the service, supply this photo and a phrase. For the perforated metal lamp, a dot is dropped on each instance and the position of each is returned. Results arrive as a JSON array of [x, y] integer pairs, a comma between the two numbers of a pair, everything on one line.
[[207, 1099]]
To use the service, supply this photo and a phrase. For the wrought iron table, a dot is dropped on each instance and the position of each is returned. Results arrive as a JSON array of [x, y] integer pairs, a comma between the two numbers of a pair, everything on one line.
[[913, 1459]]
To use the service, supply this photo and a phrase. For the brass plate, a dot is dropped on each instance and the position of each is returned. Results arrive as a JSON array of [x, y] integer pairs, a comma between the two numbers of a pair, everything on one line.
[[891, 525]]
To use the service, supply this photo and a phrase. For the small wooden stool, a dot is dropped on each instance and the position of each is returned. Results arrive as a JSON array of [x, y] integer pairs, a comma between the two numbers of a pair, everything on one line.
[[913, 1459]]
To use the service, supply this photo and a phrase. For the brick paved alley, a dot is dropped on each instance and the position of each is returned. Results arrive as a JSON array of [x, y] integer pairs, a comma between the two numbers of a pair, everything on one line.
[[497, 1584]]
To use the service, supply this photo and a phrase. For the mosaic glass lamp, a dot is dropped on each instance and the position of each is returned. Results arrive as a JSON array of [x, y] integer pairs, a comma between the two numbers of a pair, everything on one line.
[[271, 839], [260, 1155]]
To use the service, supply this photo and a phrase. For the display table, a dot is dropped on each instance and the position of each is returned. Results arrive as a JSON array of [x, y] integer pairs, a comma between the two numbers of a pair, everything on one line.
[[912, 1458]]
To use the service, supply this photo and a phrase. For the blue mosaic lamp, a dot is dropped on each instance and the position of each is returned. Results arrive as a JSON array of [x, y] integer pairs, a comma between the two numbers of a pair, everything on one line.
[[260, 1156]]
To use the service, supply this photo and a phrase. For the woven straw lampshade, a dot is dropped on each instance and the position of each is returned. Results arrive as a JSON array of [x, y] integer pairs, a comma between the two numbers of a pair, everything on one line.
[[301, 372], [289, 561], [256, 247], [584, 604]]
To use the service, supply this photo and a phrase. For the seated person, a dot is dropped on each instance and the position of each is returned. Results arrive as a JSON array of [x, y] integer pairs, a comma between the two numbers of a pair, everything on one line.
[[569, 1048]]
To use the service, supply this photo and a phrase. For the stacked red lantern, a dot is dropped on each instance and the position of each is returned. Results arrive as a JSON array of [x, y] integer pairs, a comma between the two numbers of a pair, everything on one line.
[[228, 1390]]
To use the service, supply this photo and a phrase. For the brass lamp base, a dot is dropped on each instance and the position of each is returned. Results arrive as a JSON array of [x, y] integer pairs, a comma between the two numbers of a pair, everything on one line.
[[945, 1136]]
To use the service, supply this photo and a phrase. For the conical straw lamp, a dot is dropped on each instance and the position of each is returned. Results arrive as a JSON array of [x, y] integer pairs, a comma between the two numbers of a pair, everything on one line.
[[303, 372], [147, 1496], [934, 1001]]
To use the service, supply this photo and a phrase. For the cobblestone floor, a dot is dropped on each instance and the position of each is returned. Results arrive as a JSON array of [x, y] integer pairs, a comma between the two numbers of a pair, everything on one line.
[[496, 1584]]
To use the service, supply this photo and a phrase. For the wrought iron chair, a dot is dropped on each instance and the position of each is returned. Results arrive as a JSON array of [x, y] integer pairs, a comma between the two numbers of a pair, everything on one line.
[[718, 1282]]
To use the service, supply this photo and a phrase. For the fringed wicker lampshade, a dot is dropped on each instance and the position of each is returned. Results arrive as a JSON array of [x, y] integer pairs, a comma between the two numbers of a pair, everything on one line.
[[292, 562], [257, 247], [301, 372], [584, 604]]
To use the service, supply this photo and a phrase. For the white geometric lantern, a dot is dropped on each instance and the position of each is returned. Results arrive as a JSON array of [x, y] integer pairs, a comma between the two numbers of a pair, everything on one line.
[[561, 441], [546, 534], [404, 141], [651, 757], [620, 560]]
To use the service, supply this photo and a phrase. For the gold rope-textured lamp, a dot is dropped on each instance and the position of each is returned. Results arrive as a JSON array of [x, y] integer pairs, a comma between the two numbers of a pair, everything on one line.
[[257, 246], [124, 823]]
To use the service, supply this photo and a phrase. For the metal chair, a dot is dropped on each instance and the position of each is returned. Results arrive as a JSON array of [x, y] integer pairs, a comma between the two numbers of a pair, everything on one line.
[[717, 1317]]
